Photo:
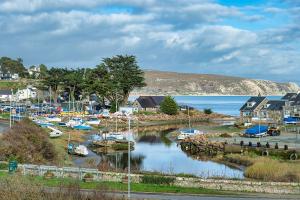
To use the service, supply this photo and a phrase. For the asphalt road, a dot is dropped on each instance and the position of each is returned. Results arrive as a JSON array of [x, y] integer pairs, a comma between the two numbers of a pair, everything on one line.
[[168, 196], [149, 196]]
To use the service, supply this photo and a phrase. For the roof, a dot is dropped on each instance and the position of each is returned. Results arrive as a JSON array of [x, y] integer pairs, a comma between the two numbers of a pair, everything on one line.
[[275, 105], [296, 100], [289, 96], [256, 100], [150, 101], [5, 92]]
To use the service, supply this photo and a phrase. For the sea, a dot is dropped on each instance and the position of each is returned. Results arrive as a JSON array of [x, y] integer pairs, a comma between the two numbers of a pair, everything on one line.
[[228, 105]]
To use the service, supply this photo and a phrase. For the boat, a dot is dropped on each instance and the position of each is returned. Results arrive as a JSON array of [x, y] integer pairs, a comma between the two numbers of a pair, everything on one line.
[[17, 117], [55, 132], [256, 131], [63, 124], [96, 137], [93, 121], [75, 121], [43, 123], [79, 150], [53, 118], [185, 133], [291, 120], [82, 126], [113, 136]]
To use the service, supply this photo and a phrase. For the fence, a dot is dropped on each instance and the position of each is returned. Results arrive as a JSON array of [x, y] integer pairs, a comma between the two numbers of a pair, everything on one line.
[[229, 185]]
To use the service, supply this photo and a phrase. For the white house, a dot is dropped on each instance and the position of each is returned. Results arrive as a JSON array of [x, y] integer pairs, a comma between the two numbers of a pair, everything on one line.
[[34, 70], [5, 95], [27, 93]]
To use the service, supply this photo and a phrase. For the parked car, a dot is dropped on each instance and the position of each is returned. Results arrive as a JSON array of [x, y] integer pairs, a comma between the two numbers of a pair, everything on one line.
[[273, 131]]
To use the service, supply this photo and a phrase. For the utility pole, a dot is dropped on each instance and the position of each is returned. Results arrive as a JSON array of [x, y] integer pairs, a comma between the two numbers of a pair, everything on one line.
[[10, 108], [128, 157]]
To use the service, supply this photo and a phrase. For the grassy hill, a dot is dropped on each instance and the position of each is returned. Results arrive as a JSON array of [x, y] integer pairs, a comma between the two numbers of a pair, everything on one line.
[[173, 83]]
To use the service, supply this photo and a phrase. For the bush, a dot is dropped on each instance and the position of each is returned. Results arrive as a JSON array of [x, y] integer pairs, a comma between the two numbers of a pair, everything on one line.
[[207, 111], [3, 166], [158, 180], [27, 143], [169, 106], [88, 175]]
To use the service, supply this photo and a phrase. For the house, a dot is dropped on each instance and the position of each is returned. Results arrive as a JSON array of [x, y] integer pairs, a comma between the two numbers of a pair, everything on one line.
[[28, 93], [251, 110], [8, 76], [148, 103], [5, 95], [292, 105], [273, 111], [34, 71]]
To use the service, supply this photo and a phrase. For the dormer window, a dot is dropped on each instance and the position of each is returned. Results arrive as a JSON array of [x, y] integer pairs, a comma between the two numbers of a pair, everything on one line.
[[250, 104], [266, 106]]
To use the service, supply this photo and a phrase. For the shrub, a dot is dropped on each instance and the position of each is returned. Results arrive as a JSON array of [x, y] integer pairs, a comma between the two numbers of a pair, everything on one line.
[[169, 106], [208, 111], [158, 180], [3, 166], [88, 175], [27, 142]]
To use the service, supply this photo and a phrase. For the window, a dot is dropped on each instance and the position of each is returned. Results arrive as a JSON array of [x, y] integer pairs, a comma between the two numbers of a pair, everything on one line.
[[250, 104]]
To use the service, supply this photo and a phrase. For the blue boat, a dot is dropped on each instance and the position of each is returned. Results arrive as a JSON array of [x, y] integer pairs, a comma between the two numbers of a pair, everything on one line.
[[291, 120], [17, 117], [257, 131], [82, 127]]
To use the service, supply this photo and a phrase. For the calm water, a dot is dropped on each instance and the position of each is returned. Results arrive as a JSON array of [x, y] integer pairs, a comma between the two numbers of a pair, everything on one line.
[[3, 126], [229, 105], [155, 152]]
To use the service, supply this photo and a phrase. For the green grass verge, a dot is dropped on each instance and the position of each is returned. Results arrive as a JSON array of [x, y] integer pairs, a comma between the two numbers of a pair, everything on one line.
[[117, 186]]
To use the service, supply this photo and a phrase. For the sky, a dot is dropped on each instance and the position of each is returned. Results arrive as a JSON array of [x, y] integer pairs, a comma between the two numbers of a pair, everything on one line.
[[248, 38]]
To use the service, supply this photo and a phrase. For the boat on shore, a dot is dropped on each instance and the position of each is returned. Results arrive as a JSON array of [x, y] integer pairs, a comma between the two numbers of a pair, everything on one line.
[[53, 118], [257, 131], [55, 132], [185, 133], [79, 150], [83, 126], [93, 121]]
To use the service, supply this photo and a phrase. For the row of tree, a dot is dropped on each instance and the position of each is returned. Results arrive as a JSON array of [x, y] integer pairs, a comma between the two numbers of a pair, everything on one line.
[[113, 80]]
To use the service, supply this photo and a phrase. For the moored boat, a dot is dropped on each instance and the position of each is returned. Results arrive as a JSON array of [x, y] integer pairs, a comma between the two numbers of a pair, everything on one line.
[[257, 131]]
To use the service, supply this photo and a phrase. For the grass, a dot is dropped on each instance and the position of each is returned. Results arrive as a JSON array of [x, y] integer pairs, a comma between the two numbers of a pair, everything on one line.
[[4, 85], [4, 115], [266, 168], [117, 186]]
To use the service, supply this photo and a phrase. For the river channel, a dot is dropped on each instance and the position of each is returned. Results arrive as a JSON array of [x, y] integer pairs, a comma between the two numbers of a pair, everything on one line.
[[155, 152]]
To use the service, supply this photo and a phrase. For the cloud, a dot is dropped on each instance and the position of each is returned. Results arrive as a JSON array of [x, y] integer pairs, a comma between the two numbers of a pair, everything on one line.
[[200, 36]]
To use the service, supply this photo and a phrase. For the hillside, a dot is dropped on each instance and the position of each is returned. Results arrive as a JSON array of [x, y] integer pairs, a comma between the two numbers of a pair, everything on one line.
[[172, 83]]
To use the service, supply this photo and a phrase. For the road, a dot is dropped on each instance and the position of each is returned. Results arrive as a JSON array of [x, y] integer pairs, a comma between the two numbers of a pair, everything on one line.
[[245, 196]]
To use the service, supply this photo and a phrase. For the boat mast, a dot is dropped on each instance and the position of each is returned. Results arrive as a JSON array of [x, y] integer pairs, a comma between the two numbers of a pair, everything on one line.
[[189, 119], [116, 112], [50, 99]]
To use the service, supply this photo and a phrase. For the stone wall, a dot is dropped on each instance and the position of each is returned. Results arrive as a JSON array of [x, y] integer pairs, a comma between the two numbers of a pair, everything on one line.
[[229, 185]]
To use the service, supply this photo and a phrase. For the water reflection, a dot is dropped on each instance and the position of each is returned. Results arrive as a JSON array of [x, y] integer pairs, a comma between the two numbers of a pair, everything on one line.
[[154, 151]]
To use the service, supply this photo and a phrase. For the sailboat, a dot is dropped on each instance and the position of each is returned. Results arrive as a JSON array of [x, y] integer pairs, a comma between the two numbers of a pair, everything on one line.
[[185, 133], [55, 132]]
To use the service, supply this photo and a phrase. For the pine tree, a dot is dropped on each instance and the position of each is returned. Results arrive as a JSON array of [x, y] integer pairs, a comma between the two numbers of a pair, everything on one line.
[[169, 106]]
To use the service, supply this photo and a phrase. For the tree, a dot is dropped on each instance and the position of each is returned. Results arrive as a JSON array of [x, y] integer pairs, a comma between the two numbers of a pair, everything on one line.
[[13, 66], [74, 82], [124, 76], [43, 71], [55, 80], [207, 111], [169, 106]]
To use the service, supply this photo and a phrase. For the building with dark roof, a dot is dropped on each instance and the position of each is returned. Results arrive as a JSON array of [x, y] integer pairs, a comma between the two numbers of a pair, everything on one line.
[[252, 108], [292, 106], [5, 95], [289, 96], [148, 103], [273, 111]]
